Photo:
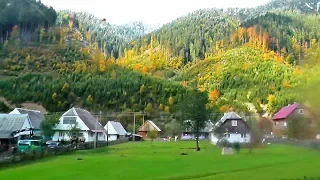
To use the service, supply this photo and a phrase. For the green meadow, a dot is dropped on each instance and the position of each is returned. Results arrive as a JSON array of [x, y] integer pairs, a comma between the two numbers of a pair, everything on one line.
[[162, 160]]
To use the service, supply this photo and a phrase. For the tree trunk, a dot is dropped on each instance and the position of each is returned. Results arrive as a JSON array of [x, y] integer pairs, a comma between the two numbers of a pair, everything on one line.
[[197, 139]]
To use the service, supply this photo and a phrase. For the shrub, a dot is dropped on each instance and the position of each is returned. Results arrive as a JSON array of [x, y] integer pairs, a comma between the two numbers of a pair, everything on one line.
[[236, 147]]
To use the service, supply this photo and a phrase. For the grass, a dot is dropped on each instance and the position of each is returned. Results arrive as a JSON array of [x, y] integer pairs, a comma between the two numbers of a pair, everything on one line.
[[162, 161]]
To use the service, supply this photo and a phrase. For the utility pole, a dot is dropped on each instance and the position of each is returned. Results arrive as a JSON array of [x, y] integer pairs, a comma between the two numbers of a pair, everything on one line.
[[143, 118], [134, 126], [95, 134], [107, 134]]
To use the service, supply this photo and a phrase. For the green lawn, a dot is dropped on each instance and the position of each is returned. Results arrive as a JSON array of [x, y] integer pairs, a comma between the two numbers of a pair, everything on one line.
[[163, 161]]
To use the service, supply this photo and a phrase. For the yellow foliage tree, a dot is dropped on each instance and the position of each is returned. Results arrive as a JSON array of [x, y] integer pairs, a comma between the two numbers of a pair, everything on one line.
[[271, 101], [65, 88], [114, 74], [145, 69], [184, 83], [286, 84], [213, 95], [142, 88], [167, 109], [171, 101], [161, 108]]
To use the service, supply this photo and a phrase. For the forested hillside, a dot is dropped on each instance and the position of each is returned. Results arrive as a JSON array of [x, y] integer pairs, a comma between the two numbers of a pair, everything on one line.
[[239, 57]]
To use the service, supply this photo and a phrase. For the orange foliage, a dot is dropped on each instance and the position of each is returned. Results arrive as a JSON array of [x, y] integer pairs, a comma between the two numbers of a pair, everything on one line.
[[145, 69], [184, 83], [286, 84], [213, 95], [223, 108]]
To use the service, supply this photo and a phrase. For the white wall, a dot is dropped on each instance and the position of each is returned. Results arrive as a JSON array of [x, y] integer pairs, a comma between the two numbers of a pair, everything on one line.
[[87, 135], [110, 129], [233, 138], [15, 111], [62, 126], [26, 124], [237, 138], [112, 137]]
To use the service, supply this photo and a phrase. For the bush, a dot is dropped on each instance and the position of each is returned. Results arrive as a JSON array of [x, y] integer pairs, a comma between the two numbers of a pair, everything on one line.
[[236, 147], [224, 143]]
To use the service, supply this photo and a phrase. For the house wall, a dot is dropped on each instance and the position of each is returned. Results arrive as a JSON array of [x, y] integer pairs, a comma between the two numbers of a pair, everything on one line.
[[80, 124], [232, 138], [112, 137], [88, 135], [241, 127], [144, 134], [26, 124], [15, 111]]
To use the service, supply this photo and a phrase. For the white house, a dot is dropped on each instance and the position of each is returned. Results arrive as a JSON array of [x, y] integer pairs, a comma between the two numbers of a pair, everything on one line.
[[115, 130], [14, 126], [232, 128], [84, 120], [35, 117]]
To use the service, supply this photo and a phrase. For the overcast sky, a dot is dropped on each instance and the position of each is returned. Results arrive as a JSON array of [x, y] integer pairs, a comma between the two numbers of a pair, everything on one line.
[[153, 12]]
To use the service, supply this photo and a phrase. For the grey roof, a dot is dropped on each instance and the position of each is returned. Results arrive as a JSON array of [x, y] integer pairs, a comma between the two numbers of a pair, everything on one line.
[[10, 123], [208, 127], [36, 117], [226, 116], [88, 119], [119, 128]]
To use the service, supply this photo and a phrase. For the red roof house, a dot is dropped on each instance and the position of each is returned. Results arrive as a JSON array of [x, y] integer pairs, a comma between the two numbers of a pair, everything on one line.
[[285, 112], [146, 127], [295, 110]]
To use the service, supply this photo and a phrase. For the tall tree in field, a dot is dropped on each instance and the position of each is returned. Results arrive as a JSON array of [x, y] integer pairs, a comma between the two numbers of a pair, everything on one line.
[[47, 126], [193, 108]]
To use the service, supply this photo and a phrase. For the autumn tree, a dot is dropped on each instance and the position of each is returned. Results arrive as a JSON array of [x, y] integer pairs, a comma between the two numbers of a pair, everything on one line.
[[47, 126], [193, 108], [152, 135]]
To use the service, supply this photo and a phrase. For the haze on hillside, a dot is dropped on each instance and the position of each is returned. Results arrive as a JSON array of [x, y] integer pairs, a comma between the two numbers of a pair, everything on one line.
[[149, 12]]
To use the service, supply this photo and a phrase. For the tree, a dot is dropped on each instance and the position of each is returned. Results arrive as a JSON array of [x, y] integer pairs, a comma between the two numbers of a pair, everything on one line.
[[265, 125], [47, 126], [255, 135], [73, 131], [299, 128], [193, 108], [152, 135], [149, 108], [173, 128]]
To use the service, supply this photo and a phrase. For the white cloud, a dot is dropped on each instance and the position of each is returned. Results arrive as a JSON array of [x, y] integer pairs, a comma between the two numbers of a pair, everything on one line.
[[147, 11]]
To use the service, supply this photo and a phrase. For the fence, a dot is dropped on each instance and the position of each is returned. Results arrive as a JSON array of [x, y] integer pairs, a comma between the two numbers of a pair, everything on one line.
[[314, 144], [8, 158]]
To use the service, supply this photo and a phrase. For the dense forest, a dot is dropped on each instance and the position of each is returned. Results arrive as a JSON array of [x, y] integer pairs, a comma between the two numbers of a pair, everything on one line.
[[240, 58]]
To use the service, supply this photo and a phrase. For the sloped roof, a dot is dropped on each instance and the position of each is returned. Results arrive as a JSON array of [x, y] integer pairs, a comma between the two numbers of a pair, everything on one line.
[[118, 127], [36, 117], [152, 124], [88, 119], [10, 123], [285, 111], [227, 116], [208, 127]]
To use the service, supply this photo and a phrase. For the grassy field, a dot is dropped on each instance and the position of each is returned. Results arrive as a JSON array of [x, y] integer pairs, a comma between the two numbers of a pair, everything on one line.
[[162, 160]]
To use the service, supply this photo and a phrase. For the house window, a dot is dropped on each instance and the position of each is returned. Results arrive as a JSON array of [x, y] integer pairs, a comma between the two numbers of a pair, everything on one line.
[[61, 134], [69, 120], [234, 123], [243, 135], [227, 135], [301, 111]]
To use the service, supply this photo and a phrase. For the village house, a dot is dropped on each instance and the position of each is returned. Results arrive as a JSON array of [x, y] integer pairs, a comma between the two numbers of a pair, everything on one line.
[[232, 128], [115, 130], [295, 110], [82, 119], [35, 117], [148, 126], [11, 128], [187, 134]]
